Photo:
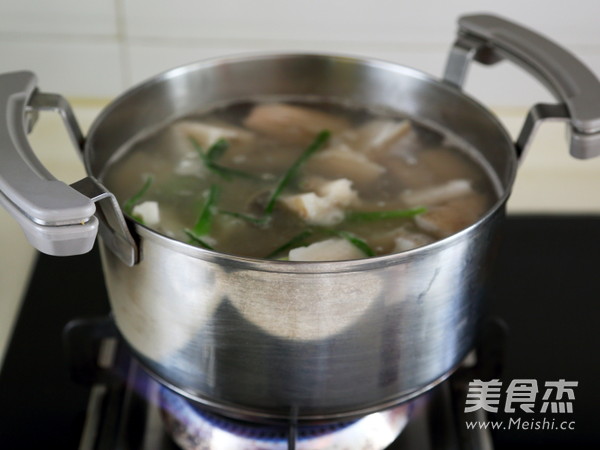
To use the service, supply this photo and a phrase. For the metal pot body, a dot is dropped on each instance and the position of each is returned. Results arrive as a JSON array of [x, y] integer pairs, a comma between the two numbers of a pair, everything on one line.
[[322, 343], [315, 340]]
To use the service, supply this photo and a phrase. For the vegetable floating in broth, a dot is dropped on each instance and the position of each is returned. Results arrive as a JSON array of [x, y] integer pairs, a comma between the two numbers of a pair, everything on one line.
[[300, 181]]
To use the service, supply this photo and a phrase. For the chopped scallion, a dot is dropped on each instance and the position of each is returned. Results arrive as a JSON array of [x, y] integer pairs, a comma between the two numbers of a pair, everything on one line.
[[214, 152], [292, 243], [247, 217], [137, 197], [227, 172], [319, 142], [382, 215], [357, 242], [196, 240], [204, 222]]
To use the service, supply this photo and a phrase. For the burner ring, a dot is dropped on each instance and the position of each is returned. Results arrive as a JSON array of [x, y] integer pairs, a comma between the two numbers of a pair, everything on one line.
[[194, 428]]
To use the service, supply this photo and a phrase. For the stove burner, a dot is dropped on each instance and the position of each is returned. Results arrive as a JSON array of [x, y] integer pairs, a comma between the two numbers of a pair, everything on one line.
[[193, 428]]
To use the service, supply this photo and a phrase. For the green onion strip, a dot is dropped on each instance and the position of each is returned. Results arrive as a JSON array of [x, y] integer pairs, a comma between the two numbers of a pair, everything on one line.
[[382, 215], [287, 177], [203, 224], [214, 152]]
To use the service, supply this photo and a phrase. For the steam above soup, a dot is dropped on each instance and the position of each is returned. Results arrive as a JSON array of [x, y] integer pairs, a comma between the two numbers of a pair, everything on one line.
[[300, 181]]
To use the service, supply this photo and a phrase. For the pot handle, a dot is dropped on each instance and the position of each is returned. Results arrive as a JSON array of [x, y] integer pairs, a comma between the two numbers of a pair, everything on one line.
[[56, 218], [489, 39]]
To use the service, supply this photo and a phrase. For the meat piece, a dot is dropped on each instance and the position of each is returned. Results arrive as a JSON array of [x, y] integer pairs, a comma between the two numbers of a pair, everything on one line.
[[437, 194], [148, 212], [326, 205], [341, 161], [335, 249], [292, 124], [443, 220]]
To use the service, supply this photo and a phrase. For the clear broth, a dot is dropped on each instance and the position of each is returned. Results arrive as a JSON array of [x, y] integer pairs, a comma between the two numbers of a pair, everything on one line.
[[417, 161]]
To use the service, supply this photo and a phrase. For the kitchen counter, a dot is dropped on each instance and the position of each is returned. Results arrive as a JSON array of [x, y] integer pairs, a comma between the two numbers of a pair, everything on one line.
[[549, 181]]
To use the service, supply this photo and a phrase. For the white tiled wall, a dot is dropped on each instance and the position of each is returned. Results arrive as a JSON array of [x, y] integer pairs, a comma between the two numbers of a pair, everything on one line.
[[99, 48], [58, 17]]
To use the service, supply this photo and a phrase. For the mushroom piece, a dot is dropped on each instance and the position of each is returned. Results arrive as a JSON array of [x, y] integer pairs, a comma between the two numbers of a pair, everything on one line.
[[341, 161], [443, 220], [378, 134], [292, 124], [438, 194]]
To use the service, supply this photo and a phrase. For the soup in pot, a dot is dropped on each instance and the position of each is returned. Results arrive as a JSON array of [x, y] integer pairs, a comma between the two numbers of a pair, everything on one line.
[[301, 181]]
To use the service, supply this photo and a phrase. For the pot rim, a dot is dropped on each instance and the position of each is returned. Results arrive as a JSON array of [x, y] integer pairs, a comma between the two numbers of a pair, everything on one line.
[[307, 266]]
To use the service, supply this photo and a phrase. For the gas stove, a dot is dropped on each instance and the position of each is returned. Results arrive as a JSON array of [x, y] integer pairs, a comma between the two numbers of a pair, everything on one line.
[[69, 382]]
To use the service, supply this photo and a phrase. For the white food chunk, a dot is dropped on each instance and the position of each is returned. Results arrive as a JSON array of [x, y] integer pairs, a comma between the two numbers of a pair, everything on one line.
[[335, 249], [338, 192], [190, 164], [409, 241], [148, 211], [326, 206], [443, 220], [380, 133], [341, 161], [292, 124], [207, 134], [438, 194]]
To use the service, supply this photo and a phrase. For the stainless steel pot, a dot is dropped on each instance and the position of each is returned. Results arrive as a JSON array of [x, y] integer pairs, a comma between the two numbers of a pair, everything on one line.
[[279, 339]]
